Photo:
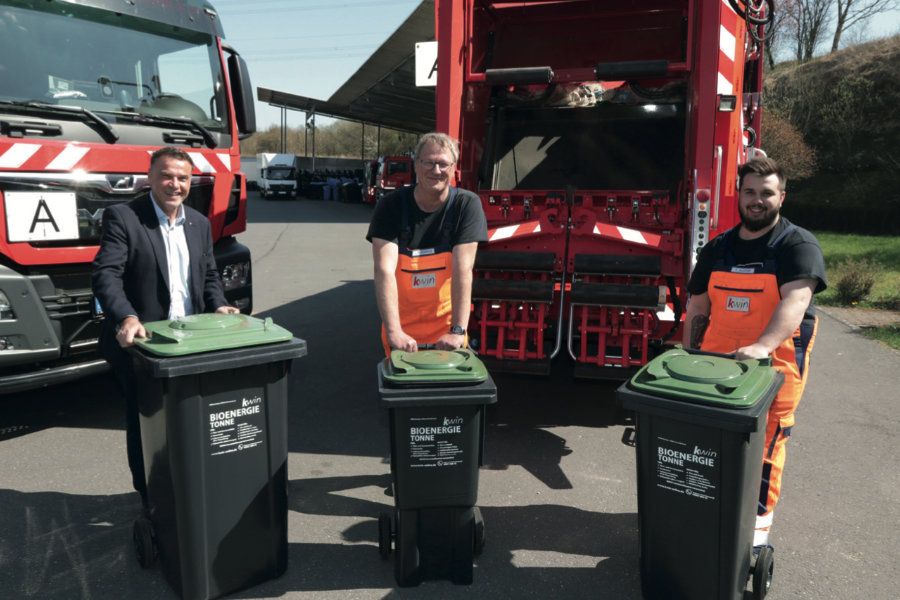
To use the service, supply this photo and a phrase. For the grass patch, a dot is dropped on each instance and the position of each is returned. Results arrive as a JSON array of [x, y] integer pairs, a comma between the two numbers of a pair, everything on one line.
[[889, 335], [881, 251]]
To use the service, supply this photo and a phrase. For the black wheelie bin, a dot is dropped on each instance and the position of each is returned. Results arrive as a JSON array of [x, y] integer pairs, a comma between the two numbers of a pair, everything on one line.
[[700, 421], [213, 394], [436, 410]]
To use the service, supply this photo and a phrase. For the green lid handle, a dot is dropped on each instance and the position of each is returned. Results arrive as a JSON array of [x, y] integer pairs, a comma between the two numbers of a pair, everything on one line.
[[267, 324], [747, 366], [657, 370], [169, 337], [708, 353]]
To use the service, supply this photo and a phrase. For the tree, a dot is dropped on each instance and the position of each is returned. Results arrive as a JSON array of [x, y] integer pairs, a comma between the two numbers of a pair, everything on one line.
[[805, 22], [777, 31], [852, 12]]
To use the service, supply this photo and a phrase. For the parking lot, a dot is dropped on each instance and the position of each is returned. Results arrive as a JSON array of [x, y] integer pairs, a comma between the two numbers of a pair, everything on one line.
[[557, 489]]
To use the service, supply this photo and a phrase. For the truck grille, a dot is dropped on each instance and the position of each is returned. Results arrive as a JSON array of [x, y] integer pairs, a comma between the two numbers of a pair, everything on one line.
[[94, 193], [65, 292]]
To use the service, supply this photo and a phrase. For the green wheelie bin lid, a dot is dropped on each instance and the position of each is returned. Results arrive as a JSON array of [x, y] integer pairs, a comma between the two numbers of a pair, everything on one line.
[[705, 379], [428, 367], [209, 332]]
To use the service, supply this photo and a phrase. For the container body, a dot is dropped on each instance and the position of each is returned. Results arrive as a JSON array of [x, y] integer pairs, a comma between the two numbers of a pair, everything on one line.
[[437, 435], [215, 450], [698, 474]]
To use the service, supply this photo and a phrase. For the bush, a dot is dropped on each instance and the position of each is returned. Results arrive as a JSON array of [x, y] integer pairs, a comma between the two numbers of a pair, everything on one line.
[[784, 142], [854, 279]]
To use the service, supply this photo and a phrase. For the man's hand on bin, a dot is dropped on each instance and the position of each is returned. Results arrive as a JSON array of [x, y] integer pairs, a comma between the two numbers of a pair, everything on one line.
[[756, 350], [227, 310], [128, 329], [450, 341], [401, 341]]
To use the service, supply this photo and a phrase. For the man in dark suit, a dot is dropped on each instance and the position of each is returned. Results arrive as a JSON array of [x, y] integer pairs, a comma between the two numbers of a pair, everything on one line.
[[155, 262]]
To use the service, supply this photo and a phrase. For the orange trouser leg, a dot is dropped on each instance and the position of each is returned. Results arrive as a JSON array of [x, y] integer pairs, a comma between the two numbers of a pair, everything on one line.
[[778, 429]]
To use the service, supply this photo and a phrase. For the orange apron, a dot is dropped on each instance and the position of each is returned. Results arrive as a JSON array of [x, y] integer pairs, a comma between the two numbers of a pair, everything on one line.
[[424, 282], [742, 301]]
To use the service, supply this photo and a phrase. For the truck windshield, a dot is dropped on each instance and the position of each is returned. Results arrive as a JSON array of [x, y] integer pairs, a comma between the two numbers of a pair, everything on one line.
[[280, 173], [74, 56], [604, 145]]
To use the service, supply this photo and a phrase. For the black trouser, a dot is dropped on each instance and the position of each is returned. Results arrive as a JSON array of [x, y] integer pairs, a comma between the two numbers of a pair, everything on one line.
[[120, 361]]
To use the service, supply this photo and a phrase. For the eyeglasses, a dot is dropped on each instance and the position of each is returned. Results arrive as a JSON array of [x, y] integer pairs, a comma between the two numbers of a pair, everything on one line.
[[431, 164]]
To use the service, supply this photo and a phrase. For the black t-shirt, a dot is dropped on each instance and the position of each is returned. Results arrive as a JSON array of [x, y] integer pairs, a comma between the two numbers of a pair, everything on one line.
[[426, 228], [798, 257]]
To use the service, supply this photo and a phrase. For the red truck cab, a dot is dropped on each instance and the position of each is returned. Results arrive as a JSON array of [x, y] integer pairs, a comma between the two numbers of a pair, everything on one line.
[[88, 90]]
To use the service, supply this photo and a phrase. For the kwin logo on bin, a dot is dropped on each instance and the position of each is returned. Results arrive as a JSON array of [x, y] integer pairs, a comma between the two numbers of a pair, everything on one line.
[[452, 421], [737, 304], [424, 281], [245, 402]]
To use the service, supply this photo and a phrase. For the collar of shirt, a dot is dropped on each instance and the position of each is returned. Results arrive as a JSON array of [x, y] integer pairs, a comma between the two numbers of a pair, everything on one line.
[[164, 218]]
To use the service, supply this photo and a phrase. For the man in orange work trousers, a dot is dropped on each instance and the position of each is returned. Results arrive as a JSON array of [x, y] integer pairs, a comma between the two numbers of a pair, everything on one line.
[[424, 240], [751, 296]]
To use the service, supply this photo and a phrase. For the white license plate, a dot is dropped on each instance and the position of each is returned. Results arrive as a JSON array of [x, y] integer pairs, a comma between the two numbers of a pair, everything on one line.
[[41, 216]]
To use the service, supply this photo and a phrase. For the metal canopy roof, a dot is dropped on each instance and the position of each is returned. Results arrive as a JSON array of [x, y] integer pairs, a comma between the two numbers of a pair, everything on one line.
[[383, 90]]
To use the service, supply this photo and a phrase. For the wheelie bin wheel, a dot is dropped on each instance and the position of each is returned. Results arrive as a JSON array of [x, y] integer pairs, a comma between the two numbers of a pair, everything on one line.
[[384, 535], [479, 532], [763, 571], [142, 534]]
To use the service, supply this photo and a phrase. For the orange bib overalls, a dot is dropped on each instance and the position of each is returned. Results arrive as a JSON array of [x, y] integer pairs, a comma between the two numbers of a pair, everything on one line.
[[424, 280], [742, 301]]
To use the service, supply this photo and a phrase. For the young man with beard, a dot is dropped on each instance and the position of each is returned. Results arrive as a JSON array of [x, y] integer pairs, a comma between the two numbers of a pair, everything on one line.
[[751, 296]]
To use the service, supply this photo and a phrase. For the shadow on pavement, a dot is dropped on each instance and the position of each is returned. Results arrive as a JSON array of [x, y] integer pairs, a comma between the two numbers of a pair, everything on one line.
[[334, 389], [93, 403]]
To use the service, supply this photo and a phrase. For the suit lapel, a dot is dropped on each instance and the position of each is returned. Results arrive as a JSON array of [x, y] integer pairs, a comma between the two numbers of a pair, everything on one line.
[[151, 227]]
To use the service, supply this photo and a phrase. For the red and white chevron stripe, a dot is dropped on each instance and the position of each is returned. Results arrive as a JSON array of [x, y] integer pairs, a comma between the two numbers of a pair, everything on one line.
[[36, 157], [727, 49], [627, 234], [513, 231]]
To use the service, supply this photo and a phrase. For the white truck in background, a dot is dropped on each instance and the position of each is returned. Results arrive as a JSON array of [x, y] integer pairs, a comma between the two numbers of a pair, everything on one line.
[[277, 175]]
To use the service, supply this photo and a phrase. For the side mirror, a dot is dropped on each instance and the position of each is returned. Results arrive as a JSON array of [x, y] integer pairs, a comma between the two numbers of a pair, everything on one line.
[[242, 95]]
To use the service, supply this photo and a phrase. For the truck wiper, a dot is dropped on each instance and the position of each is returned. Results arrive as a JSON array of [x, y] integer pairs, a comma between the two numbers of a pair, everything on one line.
[[208, 137], [55, 110]]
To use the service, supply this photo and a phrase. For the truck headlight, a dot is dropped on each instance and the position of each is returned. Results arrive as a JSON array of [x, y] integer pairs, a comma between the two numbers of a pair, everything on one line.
[[236, 275], [6, 311]]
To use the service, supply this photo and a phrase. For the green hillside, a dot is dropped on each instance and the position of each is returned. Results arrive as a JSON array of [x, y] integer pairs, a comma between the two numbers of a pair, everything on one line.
[[844, 107]]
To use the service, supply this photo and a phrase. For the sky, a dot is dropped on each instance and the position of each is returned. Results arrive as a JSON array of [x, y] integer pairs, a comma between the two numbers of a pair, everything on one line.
[[306, 47], [311, 47]]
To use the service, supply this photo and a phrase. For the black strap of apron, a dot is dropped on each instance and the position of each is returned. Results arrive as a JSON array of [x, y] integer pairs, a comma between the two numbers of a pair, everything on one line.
[[448, 220]]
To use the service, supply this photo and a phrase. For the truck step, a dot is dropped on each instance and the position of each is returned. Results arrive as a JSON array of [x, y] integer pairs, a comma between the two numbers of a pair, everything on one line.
[[507, 289], [610, 294], [615, 264], [539, 262]]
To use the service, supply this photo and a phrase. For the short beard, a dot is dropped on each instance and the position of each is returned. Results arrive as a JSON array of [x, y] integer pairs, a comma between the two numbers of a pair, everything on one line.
[[760, 223]]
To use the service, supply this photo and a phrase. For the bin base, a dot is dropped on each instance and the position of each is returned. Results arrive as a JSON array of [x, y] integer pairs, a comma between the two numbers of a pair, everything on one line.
[[435, 543]]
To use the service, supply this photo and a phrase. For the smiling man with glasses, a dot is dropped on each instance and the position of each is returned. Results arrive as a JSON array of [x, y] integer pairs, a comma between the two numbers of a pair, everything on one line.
[[424, 240]]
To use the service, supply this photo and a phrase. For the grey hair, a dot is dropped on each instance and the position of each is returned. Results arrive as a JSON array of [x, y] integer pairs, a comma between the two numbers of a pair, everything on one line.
[[442, 140]]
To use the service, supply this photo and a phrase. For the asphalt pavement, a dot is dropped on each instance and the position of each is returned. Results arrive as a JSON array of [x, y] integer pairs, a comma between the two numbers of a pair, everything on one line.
[[557, 490]]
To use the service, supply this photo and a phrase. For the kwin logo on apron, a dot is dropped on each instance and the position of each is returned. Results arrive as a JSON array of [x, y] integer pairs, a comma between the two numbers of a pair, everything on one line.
[[737, 304], [424, 281]]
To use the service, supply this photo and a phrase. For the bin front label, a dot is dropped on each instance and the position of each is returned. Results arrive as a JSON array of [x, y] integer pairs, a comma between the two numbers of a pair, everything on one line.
[[235, 425], [685, 469], [434, 442]]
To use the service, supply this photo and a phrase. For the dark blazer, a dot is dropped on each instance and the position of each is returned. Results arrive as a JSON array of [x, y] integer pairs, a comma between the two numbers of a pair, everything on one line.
[[131, 275]]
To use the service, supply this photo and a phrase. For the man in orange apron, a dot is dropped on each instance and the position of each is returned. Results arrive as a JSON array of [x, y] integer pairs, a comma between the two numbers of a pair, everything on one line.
[[751, 296], [424, 239]]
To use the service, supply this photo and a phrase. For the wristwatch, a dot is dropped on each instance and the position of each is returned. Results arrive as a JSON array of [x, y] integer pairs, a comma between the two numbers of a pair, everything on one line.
[[458, 330]]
